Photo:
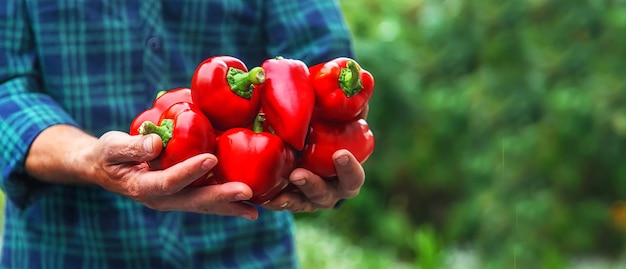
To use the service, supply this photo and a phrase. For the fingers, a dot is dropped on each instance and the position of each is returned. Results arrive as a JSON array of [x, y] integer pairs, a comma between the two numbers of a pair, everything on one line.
[[350, 178], [174, 179], [222, 199], [123, 157], [166, 190], [350, 174], [319, 191], [119, 147], [316, 192], [292, 201]]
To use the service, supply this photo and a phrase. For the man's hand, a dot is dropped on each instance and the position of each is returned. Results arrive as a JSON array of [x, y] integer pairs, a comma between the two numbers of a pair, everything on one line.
[[317, 193], [116, 162], [119, 166]]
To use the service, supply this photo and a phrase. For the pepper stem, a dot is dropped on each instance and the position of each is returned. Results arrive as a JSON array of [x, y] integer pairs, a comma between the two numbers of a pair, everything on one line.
[[241, 83], [164, 130], [160, 93], [350, 79], [257, 126]]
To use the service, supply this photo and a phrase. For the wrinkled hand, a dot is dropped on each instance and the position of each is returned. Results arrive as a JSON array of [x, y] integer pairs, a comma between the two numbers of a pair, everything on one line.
[[317, 193], [119, 166]]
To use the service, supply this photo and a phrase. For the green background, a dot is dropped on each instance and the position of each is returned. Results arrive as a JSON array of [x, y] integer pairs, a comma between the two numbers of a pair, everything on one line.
[[500, 129]]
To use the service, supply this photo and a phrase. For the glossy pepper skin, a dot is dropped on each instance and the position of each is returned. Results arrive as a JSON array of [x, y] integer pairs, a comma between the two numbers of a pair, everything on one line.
[[288, 99], [342, 89], [185, 132], [225, 91], [163, 101], [327, 137], [257, 158]]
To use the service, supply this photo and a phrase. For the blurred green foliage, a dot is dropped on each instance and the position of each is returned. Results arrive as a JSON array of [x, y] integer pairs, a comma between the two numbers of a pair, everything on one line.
[[501, 124]]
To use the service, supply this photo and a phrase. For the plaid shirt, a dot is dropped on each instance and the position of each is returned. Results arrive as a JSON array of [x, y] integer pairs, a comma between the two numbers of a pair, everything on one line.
[[96, 64]]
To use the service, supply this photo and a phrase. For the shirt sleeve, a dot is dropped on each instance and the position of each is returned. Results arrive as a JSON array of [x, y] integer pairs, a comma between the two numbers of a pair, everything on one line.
[[313, 31], [24, 110]]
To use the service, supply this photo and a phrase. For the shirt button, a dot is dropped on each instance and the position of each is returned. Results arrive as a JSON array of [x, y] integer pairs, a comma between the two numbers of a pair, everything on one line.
[[154, 43]]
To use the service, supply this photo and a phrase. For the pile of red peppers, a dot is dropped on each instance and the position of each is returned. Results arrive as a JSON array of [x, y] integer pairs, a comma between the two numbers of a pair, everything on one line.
[[264, 122]]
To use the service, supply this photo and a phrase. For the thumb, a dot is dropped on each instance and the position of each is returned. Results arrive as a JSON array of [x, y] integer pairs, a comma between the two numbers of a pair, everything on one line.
[[119, 147], [152, 146]]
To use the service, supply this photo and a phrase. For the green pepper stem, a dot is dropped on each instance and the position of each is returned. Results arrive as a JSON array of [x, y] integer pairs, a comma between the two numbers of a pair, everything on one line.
[[257, 126], [350, 79], [164, 130], [241, 83], [160, 93]]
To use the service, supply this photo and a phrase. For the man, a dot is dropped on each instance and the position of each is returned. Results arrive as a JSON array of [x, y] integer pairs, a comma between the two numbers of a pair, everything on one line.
[[73, 74]]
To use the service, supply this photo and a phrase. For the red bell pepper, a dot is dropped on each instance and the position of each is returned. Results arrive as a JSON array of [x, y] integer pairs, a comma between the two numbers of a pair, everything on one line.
[[342, 89], [225, 91], [259, 159], [163, 101], [288, 99], [185, 132], [327, 137]]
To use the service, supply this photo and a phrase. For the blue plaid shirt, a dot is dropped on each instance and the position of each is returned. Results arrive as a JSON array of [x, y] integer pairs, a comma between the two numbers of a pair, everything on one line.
[[96, 64]]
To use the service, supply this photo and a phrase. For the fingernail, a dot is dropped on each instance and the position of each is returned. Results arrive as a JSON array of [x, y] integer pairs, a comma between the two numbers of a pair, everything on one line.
[[241, 197], [299, 181], [208, 163], [342, 160], [246, 216], [285, 204], [148, 144]]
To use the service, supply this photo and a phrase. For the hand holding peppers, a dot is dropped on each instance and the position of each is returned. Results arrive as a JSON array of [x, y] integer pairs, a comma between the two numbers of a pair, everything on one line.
[[185, 132], [316, 111], [314, 192]]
